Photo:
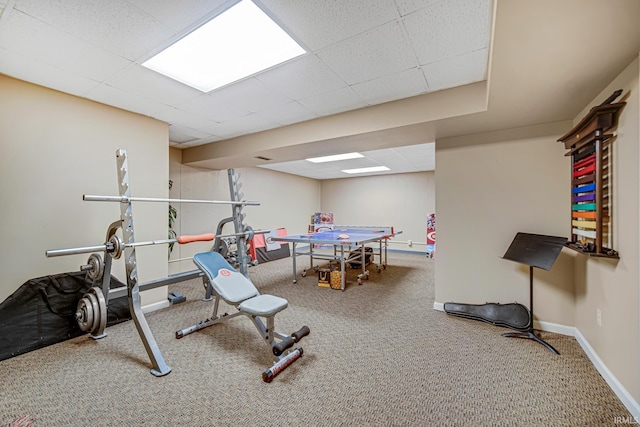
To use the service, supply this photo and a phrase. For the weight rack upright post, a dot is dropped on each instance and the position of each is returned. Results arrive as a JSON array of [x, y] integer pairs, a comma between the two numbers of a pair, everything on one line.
[[238, 222], [160, 368]]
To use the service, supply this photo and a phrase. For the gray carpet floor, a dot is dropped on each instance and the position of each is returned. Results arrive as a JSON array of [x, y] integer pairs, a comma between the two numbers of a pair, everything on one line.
[[378, 355]]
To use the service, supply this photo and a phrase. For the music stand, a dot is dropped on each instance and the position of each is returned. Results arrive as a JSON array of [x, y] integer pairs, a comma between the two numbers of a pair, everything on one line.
[[534, 250]]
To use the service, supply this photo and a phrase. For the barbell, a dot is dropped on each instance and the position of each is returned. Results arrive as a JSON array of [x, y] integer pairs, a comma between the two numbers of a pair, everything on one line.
[[115, 245], [127, 199]]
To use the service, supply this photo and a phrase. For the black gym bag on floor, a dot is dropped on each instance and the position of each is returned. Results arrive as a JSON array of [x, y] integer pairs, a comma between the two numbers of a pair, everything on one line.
[[355, 257], [42, 312]]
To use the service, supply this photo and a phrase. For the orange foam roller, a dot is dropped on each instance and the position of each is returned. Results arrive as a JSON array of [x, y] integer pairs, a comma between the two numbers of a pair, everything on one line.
[[196, 238]]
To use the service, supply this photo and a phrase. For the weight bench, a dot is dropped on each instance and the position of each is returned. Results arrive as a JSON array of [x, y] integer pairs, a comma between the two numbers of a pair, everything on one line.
[[237, 290]]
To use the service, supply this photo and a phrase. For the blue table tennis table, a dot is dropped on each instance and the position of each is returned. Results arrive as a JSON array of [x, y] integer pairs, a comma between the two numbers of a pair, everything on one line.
[[348, 244]]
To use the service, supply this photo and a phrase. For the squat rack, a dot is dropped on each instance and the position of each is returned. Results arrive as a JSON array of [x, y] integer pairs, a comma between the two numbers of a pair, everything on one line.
[[92, 313]]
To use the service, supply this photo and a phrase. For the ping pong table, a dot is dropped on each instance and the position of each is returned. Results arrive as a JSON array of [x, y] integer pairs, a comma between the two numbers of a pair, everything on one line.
[[348, 244]]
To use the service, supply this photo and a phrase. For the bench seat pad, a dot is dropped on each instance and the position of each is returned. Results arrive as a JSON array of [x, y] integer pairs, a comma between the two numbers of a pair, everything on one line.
[[263, 305], [232, 286]]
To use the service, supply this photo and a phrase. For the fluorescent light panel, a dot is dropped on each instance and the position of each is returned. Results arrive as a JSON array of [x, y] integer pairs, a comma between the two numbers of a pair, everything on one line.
[[335, 157], [239, 42], [365, 170]]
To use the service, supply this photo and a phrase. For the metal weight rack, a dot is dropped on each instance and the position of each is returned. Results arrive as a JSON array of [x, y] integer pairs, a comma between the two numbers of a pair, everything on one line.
[[92, 313]]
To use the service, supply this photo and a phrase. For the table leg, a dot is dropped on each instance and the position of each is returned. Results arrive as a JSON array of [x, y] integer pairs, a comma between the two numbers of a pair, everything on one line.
[[294, 262], [386, 245], [342, 272]]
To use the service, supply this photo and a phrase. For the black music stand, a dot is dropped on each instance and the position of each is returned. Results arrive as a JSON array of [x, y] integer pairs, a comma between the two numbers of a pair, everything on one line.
[[534, 250]]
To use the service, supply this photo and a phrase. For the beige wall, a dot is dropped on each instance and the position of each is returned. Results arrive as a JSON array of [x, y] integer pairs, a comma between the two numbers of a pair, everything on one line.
[[57, 147], [285, 201], [485, 195], [195, 183], [488, 192], [401, 200], [608, 285]]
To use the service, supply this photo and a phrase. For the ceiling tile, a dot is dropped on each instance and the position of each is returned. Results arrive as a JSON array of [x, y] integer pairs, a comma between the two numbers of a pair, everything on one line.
[[182, 14], [250, 123], [124, 100], [321, 23], [33, 38], [385, 156], [406, 7], [287, 114], [302, 77], [115, 25], [182, 134], [151, 85], [176, 115], [250, 94], [176, 138], [463, 69], [449, 28], [333, 102], [379, 52], [391, 87], [43, 74], [213, 108], [418, 157]]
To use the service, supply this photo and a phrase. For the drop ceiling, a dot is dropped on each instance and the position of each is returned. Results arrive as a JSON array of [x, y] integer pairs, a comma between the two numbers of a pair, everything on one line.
[[359, 53], [413, 158], [378, 75]]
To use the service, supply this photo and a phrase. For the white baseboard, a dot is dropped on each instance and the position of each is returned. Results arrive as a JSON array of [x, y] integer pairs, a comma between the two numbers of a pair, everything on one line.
[[555, 328], [625, 397], [622, 393]]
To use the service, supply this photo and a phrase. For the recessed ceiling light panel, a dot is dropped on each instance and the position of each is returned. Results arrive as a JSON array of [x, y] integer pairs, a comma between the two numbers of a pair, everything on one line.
[[365, 170], [335, 157], [239, 42]]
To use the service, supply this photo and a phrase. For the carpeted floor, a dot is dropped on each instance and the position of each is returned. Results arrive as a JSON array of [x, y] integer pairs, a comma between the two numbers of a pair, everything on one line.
[[378, 355]]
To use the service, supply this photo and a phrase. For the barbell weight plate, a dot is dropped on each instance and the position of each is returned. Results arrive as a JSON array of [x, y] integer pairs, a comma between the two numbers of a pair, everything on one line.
[[97, 267], [101, 318], [223, 248], [93, 301], [117, 246], [84, 314]]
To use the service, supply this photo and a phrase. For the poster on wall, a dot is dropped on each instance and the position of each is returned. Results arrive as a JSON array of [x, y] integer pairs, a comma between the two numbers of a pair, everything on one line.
[[321, 221], [431, 235]]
